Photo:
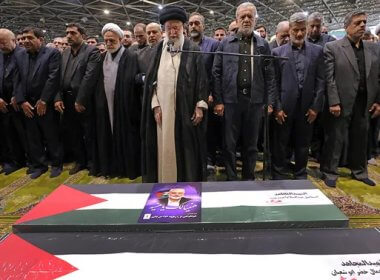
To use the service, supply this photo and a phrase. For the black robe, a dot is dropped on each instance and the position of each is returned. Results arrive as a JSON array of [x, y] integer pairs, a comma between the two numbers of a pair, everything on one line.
[[118, 154], [190, 141]]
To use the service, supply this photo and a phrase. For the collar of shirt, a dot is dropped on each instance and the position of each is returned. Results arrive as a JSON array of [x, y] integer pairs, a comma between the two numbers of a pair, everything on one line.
[[34, 55], [354, 45], [314, 40], [245, 38], [201, 41], [298, 48], [142, 46], [8, 55], [113, 55], [78, 50]]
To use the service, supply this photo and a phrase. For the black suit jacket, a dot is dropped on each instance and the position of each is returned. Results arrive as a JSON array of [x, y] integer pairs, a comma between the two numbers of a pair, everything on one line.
[[342, 74], [12, 72], [85, 74], [46, 75], [287, 81]]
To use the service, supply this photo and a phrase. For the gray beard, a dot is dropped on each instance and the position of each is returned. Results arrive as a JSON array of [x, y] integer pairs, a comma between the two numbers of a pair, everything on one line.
[[246, 32], [195, 34]]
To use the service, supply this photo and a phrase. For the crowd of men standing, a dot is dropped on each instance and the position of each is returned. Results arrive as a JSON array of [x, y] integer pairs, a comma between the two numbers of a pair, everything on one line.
[[144, 102]]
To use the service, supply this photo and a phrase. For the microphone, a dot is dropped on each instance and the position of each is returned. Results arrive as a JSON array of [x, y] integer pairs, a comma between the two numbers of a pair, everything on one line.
[[170, 47]]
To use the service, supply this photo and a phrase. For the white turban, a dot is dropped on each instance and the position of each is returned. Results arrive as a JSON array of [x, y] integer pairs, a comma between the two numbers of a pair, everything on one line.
[[113, 28]]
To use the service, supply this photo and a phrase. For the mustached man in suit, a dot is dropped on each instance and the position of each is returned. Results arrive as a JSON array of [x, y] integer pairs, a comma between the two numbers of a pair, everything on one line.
[[301, 87], [39, 78], [353, 93], [80, 69]]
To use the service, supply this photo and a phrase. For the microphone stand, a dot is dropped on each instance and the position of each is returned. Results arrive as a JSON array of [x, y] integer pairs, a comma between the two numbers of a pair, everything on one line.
[[267, 60]]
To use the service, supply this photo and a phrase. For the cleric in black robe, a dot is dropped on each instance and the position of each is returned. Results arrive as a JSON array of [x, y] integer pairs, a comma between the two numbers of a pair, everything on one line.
[[173, 123], [117, 111]]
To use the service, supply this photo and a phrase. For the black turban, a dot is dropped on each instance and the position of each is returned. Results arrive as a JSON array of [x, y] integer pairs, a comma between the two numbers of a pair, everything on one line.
[[172, 13]]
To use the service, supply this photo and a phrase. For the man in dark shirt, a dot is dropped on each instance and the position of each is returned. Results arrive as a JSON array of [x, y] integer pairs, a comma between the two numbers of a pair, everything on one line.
[[207, 44], [282, 35], [301, 87], [241, 86], [154, 33], [39, 79], [144, 55], [12, 139], [314, 28], [353, 91], [315, 36], [139, 32], [127, 39], [261, 29], [79, 74], [220, 33]]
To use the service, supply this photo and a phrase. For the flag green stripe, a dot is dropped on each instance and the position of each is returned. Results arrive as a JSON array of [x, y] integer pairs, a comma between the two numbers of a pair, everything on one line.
[[230, 215]]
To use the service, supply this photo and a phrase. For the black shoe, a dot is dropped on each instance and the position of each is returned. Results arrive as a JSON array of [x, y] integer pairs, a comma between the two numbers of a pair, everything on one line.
[[10, 169], [330, 183], [76, 169], [55, 171], [37, 172], [368, 182], [30, 170]]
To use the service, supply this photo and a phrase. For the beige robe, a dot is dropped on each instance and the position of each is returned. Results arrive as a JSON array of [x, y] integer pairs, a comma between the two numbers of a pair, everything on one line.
[[165, 97]]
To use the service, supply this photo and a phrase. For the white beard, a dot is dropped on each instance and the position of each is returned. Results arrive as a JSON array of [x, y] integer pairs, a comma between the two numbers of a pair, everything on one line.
[[114, 50], [178, 42]]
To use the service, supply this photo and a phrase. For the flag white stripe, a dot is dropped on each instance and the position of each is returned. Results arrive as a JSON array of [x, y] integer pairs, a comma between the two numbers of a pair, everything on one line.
[[222, 267], [221, 199]]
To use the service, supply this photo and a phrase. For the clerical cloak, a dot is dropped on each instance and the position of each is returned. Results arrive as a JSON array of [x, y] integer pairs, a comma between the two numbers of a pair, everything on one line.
[[117, 150], [190, 140]]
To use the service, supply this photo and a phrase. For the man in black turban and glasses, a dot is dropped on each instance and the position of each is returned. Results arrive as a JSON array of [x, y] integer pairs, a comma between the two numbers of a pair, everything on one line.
[[173, 123]]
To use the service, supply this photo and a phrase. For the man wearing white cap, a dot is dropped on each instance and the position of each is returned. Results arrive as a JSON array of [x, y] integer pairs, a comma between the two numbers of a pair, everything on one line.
[[118, 110], [175, 95]]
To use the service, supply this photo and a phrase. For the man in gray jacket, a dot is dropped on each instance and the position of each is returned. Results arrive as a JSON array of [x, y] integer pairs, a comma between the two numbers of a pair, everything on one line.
[[353, 89]]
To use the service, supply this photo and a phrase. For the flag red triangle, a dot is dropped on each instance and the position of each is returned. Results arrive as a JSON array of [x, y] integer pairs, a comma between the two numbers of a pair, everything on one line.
[[21, 260], [63, 199]]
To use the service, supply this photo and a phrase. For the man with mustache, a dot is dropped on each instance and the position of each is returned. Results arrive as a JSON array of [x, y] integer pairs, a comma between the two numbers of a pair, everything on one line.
[[207, 44], [353, 94], [39, 78], [144, 56], [301, 89], [315, 36], [175, 96], [80, 68], [282, 35], [240, 91]]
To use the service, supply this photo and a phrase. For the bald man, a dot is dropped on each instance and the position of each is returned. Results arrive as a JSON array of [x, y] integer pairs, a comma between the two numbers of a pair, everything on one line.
[[12, 141], [139, 32], [144, 56], [282, 35]]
